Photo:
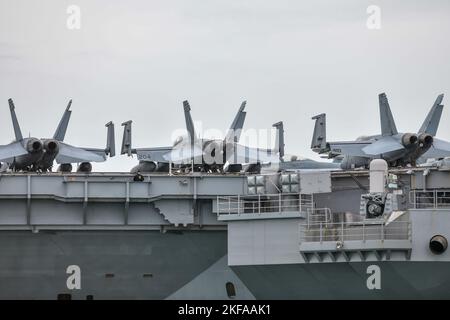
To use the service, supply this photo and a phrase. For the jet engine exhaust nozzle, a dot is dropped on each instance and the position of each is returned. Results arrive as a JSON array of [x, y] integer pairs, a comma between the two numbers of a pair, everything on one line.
[[409, 139], [51, 146], [34, 145], [426, 140]]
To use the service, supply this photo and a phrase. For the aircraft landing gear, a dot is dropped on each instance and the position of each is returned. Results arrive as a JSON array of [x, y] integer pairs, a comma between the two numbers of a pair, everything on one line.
[[85, 167], [65, 167]]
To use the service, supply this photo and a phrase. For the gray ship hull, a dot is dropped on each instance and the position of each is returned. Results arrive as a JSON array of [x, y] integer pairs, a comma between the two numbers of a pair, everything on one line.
[[399, 280], [174, 237], [113, 264], [190, 265]]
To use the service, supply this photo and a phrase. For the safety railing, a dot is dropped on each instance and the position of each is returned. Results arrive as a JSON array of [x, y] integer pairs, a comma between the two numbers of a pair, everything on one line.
[[430, 199], [264, 203], [355, 231], [318, 215]]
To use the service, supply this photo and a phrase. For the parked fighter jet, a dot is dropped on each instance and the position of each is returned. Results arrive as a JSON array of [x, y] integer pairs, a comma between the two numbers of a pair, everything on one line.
[[190, 152], [398, 149], [295, 163], [33, 154]]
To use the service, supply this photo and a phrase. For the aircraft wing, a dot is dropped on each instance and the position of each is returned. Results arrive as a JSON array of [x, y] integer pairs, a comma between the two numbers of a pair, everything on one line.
[[185, 154], [179, 154], [153, 154], [12, 150], [382, 146], [71, 154], [350, 148], [243, 154]]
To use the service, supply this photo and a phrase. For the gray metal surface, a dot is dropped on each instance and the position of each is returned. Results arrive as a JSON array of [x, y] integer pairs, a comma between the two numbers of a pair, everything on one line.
[[33, 154], [193, 236], [394, 147]]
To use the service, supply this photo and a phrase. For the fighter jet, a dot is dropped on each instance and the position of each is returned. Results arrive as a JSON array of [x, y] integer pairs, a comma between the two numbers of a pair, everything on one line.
[[398, 149], [33, 154], [208, 155], [294, 163]]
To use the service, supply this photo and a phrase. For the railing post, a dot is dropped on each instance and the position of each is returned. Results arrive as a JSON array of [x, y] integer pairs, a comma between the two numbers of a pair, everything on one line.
[[259, 204], [342, 230], [229, 205], [307, 217], [279, 202], [239, 205], [409, 231], [364, 231], [299, 202], [217, 206], [320, 233], [435, 198], [382, 232]]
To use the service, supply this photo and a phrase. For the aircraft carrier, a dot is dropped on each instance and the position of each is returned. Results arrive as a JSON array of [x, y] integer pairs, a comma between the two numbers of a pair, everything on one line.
[[306, 234]]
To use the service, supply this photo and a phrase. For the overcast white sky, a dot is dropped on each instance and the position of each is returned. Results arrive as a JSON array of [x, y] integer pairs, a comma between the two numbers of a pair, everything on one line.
[[289, 59]]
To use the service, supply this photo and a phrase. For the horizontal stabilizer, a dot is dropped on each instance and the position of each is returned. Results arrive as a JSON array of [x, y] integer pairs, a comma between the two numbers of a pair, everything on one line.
[[12, 150], [441, 145], [71, 154]]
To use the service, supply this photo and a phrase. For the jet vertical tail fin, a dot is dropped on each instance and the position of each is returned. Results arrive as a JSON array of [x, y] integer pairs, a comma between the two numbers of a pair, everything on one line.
[[17, 131], [319, 139], [189, 123], [279, 144], [126, 139], [110, 140], [60, 132], [388, 127], [431, 122], [235, 130]]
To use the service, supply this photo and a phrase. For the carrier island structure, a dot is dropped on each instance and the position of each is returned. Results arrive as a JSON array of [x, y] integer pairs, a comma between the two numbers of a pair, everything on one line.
[[314, 234]]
